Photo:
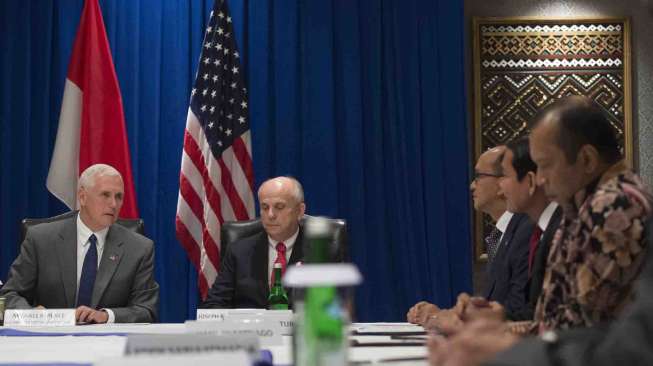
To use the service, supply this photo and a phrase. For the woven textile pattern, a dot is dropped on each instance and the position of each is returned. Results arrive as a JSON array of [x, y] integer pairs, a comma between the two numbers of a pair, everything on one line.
[[525, 67]]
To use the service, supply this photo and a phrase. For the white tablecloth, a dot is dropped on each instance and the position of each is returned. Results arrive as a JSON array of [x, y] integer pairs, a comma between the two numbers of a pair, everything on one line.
[[89, 348]]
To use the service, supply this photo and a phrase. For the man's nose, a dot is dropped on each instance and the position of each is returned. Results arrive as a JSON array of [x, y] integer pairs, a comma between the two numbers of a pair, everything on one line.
[[271, 212]]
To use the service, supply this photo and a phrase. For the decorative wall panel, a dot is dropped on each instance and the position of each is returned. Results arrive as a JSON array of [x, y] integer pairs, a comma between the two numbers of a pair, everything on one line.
[[521, 65]]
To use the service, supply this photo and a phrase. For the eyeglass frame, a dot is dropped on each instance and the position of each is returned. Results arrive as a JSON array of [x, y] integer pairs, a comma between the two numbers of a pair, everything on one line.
[[479, 175]]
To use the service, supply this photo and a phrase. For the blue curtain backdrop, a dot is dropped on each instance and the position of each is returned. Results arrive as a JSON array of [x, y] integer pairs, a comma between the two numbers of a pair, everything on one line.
[[363, 101]]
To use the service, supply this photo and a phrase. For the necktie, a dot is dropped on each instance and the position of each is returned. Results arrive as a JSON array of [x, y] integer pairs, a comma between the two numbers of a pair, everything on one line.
[[281, 258], [89, 270], [532, 247], [492, 244]]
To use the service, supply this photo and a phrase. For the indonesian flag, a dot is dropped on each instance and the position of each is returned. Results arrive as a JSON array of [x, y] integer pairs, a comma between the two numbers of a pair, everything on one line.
[[91, 123]]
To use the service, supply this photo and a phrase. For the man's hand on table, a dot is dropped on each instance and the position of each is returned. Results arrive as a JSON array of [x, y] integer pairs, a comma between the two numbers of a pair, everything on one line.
[[445, 322], [421, 312], [479, 341], [84, 314], [480, 308], [449, 321]]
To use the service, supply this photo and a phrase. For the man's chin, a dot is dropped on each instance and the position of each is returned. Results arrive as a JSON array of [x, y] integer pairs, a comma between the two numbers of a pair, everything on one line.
[[109, 220], [272, 230]]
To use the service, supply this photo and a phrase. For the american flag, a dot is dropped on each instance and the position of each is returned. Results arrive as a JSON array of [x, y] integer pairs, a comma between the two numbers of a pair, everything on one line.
[[216, 178]]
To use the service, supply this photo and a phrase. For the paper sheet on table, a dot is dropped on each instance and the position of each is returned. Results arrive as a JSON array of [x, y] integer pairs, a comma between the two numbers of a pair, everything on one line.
[[384, 341], [389, 329]]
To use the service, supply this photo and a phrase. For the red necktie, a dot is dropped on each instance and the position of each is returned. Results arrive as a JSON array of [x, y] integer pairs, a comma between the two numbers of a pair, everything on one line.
[[281, 258], [532, 247]]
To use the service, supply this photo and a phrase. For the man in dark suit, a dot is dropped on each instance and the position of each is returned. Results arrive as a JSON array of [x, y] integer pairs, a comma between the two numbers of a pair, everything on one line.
[[87, 262], [246, 269], [507, 248], [508, 277], [523, 195]]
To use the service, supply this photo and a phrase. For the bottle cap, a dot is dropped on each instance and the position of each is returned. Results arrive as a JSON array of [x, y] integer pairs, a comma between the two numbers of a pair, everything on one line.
[[317, 226], [323, 274]]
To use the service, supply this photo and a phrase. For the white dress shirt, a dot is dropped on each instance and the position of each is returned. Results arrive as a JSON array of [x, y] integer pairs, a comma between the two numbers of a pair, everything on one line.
[[83, 234], [545, 216], [502, 223], [272, 250]]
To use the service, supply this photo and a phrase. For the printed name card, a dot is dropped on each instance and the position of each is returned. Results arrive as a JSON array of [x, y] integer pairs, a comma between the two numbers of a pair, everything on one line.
[[39, 317], [203, 359], [269, 332], [152, 344], [283, 317], [218, 315]]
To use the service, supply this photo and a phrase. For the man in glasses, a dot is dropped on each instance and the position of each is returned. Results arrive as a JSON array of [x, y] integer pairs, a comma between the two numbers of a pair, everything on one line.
[[506, 246]]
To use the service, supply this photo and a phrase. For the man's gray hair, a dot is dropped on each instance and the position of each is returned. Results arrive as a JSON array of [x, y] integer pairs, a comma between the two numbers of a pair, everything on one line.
[[297, 190], [88, 176]]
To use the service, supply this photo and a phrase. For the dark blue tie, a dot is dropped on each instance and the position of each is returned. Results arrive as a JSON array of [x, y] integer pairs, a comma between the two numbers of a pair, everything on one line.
[[89, 270]]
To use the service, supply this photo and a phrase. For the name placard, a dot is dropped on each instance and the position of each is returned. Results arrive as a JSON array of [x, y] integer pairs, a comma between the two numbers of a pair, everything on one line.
[[283, 317], [268, 331], [151, 344], [203, 359], [39, 317], [218, 315]]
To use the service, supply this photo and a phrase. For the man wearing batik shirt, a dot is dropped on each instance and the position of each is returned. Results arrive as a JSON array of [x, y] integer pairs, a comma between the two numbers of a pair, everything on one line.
[[599, 249]]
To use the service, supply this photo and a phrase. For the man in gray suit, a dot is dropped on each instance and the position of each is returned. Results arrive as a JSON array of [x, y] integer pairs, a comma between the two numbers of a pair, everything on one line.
[[87, 261]]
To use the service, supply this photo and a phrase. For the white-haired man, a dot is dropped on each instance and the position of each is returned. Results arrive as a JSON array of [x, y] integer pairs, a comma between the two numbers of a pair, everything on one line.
[[87, 262], [246, 269]]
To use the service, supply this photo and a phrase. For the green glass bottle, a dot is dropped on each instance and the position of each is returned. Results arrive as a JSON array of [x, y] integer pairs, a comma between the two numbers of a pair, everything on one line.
[[278, 299]]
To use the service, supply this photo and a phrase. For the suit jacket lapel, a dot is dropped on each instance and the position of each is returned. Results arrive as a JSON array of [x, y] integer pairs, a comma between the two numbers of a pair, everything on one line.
[[260, 265], [552, 227], [297, 254], [111, 257], [503, 246], [67, 256], [510, 231]]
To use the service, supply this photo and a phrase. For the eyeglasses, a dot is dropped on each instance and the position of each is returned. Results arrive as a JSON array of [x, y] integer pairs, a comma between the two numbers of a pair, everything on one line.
[[479, 175]]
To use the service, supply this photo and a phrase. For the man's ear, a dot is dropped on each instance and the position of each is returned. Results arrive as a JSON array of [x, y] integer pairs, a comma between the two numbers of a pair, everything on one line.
[[81, 196], [532, 182], [589, 158]]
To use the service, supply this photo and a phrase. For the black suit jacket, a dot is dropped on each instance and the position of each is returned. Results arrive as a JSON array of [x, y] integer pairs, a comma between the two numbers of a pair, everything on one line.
[[243, 279], [534, 285], [508, 273], [628, 341]]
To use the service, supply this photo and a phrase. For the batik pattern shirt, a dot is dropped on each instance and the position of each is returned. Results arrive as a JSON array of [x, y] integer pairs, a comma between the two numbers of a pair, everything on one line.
[[596, 254]]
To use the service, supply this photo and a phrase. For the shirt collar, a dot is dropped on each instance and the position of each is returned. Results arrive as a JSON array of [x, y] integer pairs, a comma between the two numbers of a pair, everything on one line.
[[504, 220], [289, 243], [84, 232], [584, 193], [545, 216]]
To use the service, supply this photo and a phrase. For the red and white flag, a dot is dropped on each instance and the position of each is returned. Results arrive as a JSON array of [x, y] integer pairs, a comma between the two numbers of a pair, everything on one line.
[[216, 179], [91, 123]]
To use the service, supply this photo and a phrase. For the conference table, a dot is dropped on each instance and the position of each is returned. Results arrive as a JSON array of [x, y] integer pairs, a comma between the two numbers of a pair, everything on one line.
[[370, 343]]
